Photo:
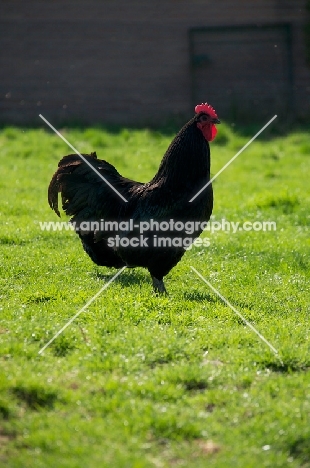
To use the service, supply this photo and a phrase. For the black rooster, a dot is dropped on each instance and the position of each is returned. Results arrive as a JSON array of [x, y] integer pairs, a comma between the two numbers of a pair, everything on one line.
[[184, 170]]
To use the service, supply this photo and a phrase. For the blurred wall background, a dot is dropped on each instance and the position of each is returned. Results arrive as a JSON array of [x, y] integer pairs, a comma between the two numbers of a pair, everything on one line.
[[134, 62]]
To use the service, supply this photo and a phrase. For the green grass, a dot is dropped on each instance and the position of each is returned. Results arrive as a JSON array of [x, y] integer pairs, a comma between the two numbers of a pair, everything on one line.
[[139, 381]]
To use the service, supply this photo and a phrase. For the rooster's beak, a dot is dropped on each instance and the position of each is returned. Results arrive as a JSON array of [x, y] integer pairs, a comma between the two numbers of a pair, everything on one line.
[[215, 121]]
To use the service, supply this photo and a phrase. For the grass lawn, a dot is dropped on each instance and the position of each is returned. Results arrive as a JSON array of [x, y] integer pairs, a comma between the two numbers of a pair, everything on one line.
[[141, 381]]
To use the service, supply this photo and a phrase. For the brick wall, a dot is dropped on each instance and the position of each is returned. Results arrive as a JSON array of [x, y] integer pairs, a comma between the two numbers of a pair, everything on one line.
[[124, 62]]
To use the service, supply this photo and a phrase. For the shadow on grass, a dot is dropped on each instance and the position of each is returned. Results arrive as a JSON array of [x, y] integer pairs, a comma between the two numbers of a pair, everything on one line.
[[300, 449], [198, 296], [38, 298], [126, 279], [35, 397], [6, 240], [4, 411], [288, 366]]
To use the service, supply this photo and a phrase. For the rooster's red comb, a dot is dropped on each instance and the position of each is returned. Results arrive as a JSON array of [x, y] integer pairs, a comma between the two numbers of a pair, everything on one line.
[[205, 107]]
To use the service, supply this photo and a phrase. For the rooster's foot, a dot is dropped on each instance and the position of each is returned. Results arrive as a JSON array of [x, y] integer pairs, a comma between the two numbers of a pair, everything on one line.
[[158, 285]]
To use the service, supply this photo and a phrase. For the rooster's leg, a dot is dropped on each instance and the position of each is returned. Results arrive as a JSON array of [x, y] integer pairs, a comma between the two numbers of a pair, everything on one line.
[[158, 286]]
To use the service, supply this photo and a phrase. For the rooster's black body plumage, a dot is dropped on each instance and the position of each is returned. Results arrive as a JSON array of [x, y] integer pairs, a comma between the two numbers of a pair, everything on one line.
[[185, 169]]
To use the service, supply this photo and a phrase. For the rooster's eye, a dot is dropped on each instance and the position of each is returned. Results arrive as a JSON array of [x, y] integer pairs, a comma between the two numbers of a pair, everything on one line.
[[203, 118]]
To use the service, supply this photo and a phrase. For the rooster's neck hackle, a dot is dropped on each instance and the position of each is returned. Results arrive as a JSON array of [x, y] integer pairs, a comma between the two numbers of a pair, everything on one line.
[[187, 160]]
